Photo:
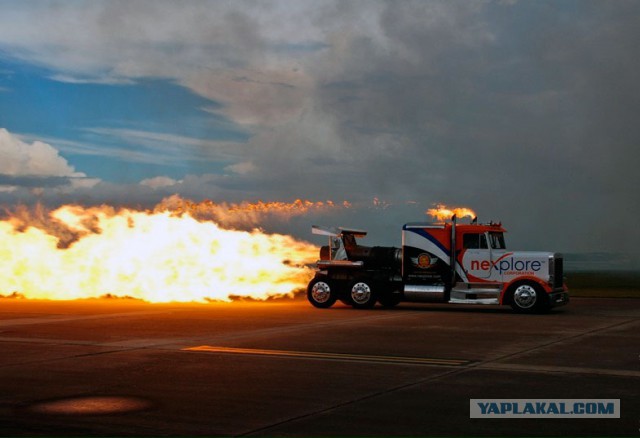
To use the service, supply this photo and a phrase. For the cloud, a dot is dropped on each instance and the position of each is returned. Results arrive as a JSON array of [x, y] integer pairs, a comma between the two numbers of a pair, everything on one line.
[[33, 181], [254, 97], [38, 159], [524, 111], [106, 80], [28, 170], [246, 57], [242, 168], [162, 148], [158, 182]]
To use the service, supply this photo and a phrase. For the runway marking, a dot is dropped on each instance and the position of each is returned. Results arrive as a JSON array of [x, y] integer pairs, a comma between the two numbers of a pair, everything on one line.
[[558, 369], [332, 356]]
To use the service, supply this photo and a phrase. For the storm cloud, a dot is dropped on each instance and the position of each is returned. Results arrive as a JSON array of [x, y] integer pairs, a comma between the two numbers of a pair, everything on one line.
[[523, 111]]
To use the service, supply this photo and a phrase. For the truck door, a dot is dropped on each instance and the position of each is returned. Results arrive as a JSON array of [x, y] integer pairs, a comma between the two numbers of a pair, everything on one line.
[[498, 252], [477, 259]]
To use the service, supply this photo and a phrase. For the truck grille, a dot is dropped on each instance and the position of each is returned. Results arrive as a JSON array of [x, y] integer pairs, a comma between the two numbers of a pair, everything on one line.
[[558, 272]]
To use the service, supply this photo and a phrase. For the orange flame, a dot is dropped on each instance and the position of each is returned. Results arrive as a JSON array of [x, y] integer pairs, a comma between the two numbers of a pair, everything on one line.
[[245, 213], [158, 256], [442, 212]]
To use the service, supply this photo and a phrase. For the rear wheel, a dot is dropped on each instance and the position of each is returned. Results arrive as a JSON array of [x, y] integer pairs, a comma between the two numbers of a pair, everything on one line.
[[321, 293], [529, 298], [362, 295], [389, 300]]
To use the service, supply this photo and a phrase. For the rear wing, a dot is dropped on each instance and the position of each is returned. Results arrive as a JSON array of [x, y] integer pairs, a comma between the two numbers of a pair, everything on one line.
[[336, 231], [339, 239]]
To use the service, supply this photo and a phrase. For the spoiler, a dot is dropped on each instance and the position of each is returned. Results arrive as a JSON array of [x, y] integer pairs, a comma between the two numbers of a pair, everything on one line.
[[336, 231]]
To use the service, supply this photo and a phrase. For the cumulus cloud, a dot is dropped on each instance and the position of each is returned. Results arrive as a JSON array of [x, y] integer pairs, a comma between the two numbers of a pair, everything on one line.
[[31, 169], [36, 159]]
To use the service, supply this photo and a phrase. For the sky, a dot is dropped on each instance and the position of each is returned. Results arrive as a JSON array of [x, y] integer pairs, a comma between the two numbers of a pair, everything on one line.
[[524, 111]]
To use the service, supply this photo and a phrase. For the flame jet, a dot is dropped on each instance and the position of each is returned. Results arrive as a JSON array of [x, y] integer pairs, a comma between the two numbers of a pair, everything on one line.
[[161, 256]]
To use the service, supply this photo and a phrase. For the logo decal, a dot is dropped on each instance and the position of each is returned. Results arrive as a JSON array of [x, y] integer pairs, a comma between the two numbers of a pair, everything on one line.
[[424, 260], [507, 264]]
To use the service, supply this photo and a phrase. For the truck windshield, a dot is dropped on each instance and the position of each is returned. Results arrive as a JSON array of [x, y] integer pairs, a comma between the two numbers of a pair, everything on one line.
[[497, 240], [474, 241]]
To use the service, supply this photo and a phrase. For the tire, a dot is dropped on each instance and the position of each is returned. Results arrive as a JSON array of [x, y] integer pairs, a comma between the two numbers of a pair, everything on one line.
[[391, 297], [528, 298], [321, 293], [362, 294], [389, 300]]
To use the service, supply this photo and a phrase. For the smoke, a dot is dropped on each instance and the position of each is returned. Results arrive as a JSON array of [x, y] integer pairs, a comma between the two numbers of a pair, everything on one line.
[[69, 223], [245, 215], [85, 221]]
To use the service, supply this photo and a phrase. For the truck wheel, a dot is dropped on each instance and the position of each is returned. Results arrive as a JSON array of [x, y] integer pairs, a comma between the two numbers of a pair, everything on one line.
[[321, 293], [389, 300], [528, 298], [362, 295]]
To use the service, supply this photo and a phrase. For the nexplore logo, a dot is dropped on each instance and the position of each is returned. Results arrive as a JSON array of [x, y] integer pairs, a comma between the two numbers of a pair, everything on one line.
[[506, 263], [544, 408]]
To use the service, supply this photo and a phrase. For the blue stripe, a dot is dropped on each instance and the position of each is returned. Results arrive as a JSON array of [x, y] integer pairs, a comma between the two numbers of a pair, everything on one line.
[[426, 235]]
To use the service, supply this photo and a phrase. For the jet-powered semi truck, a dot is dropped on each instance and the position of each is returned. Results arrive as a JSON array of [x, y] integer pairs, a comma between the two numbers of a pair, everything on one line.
[[438, 263]]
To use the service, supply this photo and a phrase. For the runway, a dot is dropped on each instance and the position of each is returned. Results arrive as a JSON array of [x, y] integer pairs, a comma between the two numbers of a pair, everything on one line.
[[284, 368]]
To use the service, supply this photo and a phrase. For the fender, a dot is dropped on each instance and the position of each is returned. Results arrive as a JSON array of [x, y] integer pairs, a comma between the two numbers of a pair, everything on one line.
[[544, 285]]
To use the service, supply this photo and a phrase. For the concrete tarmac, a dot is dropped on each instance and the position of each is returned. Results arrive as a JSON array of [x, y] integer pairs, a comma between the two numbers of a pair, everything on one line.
[[283, 368]]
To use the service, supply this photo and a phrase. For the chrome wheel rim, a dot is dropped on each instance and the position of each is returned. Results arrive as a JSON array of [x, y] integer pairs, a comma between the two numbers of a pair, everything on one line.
[[321, 292], [525, 296], [360, 293]]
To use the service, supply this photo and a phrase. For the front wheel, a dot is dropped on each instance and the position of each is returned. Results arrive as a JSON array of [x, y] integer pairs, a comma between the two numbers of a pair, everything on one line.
[[362, 295], [321, 293], [529, 298]]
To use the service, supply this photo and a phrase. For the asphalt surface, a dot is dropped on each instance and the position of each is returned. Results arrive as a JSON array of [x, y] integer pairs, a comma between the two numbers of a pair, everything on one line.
[[121, 367]]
